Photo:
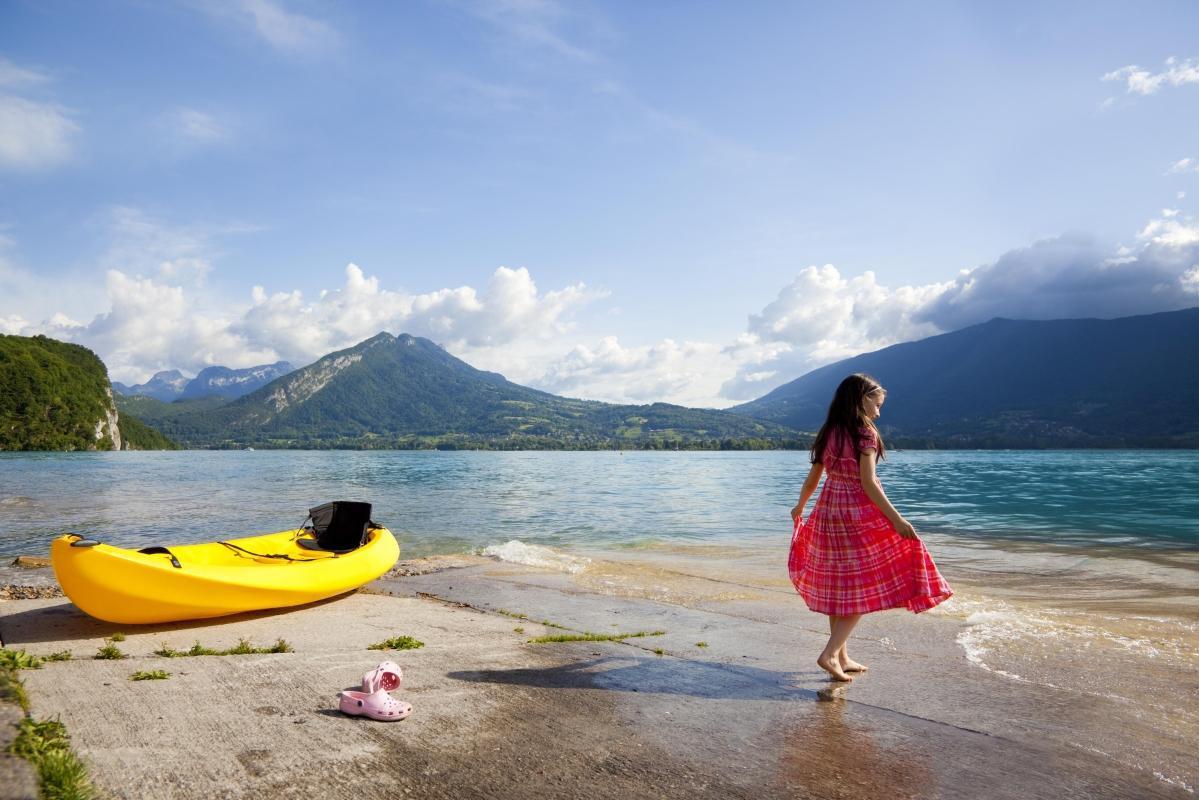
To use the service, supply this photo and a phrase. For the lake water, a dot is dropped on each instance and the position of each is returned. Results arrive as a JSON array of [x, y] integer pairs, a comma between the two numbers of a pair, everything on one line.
[[1074, 570], [442, 502]]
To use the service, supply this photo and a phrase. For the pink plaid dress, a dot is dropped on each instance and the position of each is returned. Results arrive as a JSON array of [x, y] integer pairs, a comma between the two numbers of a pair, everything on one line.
[[846, 558]]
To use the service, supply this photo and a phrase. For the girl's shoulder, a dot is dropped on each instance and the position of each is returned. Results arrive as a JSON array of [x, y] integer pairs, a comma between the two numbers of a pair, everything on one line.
[[848, 442], [867, 438]]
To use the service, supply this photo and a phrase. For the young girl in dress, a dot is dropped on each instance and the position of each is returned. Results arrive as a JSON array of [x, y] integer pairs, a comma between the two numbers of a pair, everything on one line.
[[855, 553]]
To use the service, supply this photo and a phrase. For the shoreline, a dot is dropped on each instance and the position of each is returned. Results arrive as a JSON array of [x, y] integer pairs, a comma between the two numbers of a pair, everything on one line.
[[748, 697], [737, 446]]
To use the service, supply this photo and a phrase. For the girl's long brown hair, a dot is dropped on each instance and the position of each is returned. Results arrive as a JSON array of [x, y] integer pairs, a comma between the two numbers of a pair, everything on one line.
[[845, 416]]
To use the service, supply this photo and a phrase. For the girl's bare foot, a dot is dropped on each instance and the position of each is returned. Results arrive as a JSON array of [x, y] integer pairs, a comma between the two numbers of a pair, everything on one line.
[[832, 667], [849, 665]]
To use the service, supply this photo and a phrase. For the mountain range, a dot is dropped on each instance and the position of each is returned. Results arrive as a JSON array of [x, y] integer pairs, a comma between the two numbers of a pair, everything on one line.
[[210, 382], [406, 391], [1022, 383], [166, 386], [1003, 384]]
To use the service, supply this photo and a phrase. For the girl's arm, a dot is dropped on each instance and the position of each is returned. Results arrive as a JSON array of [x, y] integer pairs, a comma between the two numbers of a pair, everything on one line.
[[874, 490], [809, 486]]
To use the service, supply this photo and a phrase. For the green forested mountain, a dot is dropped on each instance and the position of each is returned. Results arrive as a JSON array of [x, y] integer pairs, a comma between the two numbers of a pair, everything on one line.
[[408, 392], [54, 396], [137, 435], [153, 411], [1127, 382]]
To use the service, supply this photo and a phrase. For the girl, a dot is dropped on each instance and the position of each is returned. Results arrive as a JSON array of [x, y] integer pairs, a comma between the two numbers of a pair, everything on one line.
[[856, 553]]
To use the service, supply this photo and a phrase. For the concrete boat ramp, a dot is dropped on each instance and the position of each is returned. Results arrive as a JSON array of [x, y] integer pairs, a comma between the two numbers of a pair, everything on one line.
[[747, 715]]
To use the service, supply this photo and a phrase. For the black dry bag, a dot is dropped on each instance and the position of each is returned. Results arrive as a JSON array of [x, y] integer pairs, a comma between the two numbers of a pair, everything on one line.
[[340, 526]]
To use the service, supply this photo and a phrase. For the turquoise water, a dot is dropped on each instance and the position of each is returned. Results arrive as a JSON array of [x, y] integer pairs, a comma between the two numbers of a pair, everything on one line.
[[446, 502]]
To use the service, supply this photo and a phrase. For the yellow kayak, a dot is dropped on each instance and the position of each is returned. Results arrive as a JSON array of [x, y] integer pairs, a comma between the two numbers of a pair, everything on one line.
[[197, 581]]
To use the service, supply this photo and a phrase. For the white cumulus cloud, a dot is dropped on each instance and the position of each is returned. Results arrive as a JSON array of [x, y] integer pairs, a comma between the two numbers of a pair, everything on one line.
[[509, 309], [154, 323], [1189, 280], [150, 326], [1142, 81], [1182, 166], [823, 316], [1171, 230], [687, 373]]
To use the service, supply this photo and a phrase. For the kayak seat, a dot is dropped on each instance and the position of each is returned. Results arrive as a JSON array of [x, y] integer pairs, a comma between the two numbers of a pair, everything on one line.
[[339, 527], [313, 544]]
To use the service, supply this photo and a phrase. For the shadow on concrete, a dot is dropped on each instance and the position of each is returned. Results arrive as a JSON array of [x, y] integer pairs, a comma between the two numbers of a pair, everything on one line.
[[65, 622], [704, 679]]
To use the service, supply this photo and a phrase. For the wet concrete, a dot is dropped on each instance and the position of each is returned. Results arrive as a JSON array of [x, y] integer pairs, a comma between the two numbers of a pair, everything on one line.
[[747, 716]]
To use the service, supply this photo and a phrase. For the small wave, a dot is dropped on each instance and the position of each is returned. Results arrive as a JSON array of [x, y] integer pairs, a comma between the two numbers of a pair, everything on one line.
[[1186, 787], [16, 502], [535, 555], [983, 630], [1029, 646]]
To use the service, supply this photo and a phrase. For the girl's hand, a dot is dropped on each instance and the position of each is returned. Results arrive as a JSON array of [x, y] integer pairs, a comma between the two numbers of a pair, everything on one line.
[[796, 513], [905, 529]]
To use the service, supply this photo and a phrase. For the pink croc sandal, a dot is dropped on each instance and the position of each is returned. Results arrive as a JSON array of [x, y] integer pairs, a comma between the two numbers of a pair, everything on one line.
[[376, 705], [387, 676]]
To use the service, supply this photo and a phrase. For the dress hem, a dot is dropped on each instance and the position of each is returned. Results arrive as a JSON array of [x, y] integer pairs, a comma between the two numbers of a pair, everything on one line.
[[916, 605]]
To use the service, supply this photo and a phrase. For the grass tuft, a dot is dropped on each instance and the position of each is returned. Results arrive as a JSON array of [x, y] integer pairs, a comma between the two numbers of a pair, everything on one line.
[[544, 622], [45, 744], [11, 689], [701, 644], [18, 659], [47, 747], [592, 637], [150, 675], [518, 630], [61, 655], [512, 614], [109, 652], [117, 637], [659, 651], [397, 643], [63, 776], [243, 648], [35, 739]]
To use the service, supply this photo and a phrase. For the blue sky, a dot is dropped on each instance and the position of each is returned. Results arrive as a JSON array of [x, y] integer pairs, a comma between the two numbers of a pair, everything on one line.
[[683, 201]]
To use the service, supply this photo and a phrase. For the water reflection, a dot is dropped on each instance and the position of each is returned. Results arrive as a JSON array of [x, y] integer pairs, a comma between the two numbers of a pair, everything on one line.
[[834, 751]]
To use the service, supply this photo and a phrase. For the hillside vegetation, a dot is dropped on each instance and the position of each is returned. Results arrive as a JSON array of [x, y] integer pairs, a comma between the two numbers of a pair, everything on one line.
[[54, 396], [137, 435]]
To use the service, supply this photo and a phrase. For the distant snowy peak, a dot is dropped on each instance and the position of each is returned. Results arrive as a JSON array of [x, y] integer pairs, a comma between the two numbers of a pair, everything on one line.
[[233, 383], [165, 386], [212, 381]]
